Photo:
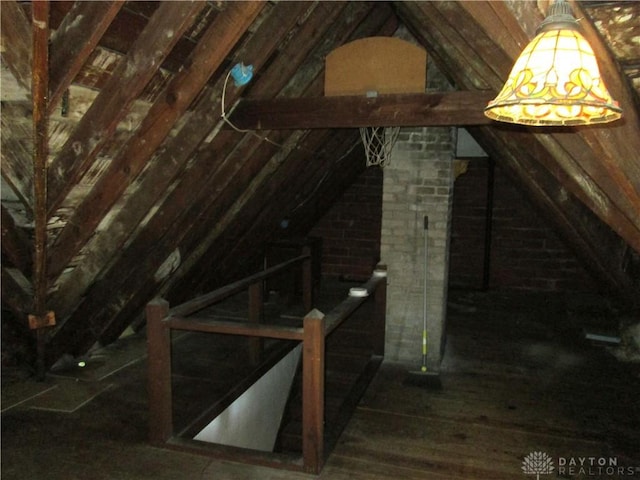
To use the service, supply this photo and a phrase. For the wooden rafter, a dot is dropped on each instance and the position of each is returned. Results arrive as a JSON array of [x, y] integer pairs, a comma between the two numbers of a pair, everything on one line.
[[109, 108], [17, 292], [16, 245], [300, 184], [213, 242], [75, 39], [155, 184], [205, 59], [16, 33]]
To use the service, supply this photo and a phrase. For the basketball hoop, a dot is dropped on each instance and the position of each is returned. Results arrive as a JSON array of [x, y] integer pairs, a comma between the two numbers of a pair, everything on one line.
[[371, 66], [378, 143]]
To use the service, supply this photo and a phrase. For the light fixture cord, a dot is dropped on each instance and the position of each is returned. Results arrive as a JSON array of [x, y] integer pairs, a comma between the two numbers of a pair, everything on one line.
[[230, 123]]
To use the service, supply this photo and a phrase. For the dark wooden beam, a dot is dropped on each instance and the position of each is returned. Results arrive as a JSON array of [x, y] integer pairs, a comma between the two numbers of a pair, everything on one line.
[[170, 163], [404, 110], [294, 190], [16, 39], [40, 94], [16, 244], [17, 293], [75, 39], [110, 107], [206, 58]]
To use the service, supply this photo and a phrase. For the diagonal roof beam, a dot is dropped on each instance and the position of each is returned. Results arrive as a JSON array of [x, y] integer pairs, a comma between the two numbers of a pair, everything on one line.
[[15, 30], [205, 59], [75, 39], [16, 291], [128, 80], [16, 244]]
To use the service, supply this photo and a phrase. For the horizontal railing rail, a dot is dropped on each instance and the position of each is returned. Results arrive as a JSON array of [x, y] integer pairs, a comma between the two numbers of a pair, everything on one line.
[[222, 293]]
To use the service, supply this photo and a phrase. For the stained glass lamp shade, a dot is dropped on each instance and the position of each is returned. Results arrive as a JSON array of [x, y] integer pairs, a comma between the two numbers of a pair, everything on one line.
[[556, 79]]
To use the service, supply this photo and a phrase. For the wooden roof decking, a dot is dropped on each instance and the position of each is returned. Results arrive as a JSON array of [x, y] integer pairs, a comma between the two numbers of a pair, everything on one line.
[[149, 192]]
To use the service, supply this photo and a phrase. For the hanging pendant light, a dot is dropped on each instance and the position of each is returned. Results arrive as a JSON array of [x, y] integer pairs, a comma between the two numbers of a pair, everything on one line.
[[556, 80]]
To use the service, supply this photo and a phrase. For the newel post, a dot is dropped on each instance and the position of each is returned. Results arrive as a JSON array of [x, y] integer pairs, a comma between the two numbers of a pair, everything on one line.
[[313, 392], [159, 351]]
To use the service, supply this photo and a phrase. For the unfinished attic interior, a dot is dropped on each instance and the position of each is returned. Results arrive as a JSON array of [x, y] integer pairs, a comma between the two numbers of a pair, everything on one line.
[[204, 276]]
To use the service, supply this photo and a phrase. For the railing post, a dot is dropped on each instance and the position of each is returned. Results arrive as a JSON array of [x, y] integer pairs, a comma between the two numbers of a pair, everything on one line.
[[159, 354], [307, 280], [380, 313], [313, 392], [256, 308]]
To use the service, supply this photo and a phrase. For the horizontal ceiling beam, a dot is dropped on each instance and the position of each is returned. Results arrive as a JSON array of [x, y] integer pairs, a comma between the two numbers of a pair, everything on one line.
[[403, 110]]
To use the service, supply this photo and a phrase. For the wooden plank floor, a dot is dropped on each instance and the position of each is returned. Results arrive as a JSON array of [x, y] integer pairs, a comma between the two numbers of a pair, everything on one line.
[[516, 379]]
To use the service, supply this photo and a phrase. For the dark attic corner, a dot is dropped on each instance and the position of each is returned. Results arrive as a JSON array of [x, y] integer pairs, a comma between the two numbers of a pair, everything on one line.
[[250, 239]]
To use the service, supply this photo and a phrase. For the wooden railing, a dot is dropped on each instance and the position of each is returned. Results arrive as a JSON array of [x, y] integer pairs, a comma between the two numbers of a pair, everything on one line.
[[161, 319]]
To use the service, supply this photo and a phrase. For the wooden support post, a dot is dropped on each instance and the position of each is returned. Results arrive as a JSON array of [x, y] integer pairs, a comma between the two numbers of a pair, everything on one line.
[[307, 280], [380, 314], [159, 352], [256, 313], [39, 90], [313, 392]]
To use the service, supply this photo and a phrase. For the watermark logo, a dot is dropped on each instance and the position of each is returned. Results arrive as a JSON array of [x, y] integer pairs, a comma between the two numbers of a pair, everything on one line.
[[537, 463]]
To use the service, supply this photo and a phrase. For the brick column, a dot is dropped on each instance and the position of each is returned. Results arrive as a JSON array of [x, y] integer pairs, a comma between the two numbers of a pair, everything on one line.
[[417, 182]]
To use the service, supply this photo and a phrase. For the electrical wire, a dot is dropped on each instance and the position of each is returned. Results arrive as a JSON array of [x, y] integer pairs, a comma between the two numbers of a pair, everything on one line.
[[230, 123], [279, 145]]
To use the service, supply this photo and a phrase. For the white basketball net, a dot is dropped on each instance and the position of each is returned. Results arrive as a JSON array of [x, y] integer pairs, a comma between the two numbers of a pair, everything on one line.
[[378, 143]]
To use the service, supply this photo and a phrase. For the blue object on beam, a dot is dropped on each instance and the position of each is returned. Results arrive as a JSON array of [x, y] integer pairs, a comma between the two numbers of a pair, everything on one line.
[[242, 74]]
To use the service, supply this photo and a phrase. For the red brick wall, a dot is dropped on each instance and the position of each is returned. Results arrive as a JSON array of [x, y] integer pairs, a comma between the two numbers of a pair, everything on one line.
[[350, 230], [525, 252]]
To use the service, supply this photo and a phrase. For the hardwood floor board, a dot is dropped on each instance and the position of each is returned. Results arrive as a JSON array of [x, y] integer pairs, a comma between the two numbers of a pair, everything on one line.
[[455, 447], [511, 404], [371, 467]]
